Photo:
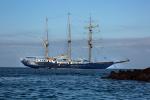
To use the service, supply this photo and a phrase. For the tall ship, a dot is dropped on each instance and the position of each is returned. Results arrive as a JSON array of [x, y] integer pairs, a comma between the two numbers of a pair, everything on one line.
[[66, 61]]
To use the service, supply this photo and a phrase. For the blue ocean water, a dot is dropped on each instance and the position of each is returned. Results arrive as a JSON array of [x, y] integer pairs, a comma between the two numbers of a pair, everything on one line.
[[71, 84]]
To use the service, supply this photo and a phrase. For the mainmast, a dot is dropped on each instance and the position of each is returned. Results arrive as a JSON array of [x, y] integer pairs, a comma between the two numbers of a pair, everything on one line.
[[69, 39], [46, 43], [90, 44]]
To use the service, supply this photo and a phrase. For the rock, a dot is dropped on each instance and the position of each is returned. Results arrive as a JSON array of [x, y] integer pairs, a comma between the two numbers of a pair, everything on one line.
[[140, 75]]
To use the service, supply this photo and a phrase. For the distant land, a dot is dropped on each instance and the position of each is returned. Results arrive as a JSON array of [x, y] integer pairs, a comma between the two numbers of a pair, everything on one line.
[[135, 49]]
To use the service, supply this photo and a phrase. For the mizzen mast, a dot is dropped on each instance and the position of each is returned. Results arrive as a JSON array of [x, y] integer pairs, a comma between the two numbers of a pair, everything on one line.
[[46, 43], [69, 39]]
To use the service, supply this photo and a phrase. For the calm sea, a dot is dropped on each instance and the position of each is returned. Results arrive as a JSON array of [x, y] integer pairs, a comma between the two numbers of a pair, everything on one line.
[[53, 84]]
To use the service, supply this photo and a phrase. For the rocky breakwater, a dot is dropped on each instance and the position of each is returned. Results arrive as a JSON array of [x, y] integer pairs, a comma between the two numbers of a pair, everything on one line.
[[139, 75]]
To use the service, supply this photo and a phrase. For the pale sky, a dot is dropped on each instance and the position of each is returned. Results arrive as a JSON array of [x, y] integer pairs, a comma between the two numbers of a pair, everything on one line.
[[24, 20]]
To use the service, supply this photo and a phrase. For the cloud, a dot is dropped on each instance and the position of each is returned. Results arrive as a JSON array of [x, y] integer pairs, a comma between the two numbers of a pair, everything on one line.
[[128, 42], [19, 37]]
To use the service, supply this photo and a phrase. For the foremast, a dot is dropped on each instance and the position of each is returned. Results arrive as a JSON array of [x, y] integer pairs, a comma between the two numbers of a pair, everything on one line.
[[90, 44], [69, 39]]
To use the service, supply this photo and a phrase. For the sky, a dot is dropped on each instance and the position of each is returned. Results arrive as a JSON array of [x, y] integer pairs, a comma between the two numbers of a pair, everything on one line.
[[124, 25], [24, 20]]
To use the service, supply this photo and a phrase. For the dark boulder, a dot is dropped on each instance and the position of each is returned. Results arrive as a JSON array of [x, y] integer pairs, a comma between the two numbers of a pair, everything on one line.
[[140, 75]]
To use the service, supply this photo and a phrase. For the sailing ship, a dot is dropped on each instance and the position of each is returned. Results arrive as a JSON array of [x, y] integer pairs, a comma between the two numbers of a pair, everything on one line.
[[66, 61]]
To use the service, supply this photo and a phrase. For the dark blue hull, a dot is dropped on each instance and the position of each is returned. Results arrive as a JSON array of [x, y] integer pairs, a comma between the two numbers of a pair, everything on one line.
[[97, 65]]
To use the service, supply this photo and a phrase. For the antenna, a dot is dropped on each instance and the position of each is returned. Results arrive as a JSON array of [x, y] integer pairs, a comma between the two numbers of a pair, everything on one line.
[[69, 39], [90, 44]]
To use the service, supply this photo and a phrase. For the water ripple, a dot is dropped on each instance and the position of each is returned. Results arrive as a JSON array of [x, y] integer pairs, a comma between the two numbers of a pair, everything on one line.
[[68, 87]]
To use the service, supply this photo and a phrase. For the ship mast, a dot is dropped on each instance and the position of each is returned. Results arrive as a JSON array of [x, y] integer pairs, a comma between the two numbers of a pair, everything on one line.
[[46, 43], [90, 44], [69, 39]]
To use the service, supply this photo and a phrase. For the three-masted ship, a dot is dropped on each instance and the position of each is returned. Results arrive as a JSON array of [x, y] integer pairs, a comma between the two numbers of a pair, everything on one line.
[[66, 61]]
